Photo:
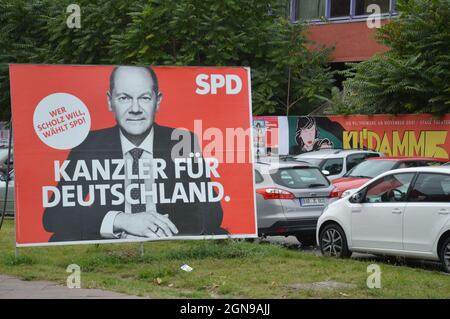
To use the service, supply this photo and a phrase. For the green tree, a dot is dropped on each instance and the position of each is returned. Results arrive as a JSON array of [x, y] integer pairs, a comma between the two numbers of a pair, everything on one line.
[[90, 44], [287, 77], [414, 76], [20, 38], [35, 31]]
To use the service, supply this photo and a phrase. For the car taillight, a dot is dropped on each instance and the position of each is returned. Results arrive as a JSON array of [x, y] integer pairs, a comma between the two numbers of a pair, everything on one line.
[[275, 193], [281, 230], [334, 193]]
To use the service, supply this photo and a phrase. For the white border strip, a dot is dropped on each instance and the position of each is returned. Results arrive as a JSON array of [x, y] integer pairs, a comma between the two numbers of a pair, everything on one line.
[[127, 241], [207, 237], [252, 153]]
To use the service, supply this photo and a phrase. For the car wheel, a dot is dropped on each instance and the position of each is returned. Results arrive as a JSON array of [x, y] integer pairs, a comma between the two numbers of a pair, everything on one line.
[[445, 255], [306, 240], [333, 242]]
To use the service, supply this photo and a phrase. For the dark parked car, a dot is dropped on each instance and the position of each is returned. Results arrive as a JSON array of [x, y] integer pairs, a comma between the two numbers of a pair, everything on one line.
[[10, 199]]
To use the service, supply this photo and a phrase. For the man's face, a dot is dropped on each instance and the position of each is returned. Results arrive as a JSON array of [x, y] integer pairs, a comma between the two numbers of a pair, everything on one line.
[[134, 100]]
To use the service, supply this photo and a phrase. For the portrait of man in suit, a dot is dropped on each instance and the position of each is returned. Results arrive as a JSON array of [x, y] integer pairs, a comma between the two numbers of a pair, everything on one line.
[[134, 98]]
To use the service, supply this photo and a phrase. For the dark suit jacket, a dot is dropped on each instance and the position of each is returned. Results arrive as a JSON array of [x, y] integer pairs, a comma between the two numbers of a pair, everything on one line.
[[83, 223]]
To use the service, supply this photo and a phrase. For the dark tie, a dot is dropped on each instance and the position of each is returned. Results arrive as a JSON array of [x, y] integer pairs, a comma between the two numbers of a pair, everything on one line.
[[136, 153]]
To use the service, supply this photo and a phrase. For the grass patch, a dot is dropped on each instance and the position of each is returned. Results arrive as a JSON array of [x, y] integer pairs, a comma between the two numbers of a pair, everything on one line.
[[226, 268], [228, 249], [12, 260]]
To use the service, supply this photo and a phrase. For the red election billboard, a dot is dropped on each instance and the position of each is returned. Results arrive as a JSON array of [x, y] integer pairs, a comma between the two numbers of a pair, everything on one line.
[[131, 153]]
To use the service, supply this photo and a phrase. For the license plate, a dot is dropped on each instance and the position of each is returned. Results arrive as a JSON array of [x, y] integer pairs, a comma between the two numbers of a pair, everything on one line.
[[312, 201]]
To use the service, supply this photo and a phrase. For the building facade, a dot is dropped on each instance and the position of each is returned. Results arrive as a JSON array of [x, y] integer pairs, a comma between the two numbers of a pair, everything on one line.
[[342, 24]]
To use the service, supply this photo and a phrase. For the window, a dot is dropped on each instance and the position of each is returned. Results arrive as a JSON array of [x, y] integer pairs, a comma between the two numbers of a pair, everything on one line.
[[431, 188], [333, 165], [362, 5], [355, 159], [258, 177], [339, 8], [418, 164], [391, 188], [310, 9], [312, 161], [409, 164], [372, 155], [432, 163], [370, 169], [300, 178]]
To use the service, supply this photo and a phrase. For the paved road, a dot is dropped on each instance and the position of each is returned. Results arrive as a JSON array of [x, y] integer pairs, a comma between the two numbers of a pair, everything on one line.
[[292, 243], [13, 288]]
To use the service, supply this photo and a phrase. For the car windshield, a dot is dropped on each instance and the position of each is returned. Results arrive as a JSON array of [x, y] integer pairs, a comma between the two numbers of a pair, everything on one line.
[[370, 169], [312, 161], [300, 178]]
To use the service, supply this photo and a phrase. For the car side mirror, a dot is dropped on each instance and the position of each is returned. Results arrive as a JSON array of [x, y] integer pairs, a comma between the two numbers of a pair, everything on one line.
[[356, 198], [326, 173]]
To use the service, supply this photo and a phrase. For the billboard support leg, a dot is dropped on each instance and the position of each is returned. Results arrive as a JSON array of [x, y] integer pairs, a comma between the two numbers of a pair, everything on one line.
[[141, 249], [17, 252]]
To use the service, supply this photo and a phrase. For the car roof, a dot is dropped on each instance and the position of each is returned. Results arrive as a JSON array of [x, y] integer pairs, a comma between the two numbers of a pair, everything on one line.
[[266, 164], [332, 153], [425, 169], [405, 159]]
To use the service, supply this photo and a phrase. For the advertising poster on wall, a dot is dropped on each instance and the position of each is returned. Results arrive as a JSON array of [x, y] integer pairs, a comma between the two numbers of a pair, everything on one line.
[[403, 135], [265, 134], [259, 137]]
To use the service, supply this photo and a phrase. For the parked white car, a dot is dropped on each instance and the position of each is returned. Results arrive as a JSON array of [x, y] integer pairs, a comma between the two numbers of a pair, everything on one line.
[[404, 212]]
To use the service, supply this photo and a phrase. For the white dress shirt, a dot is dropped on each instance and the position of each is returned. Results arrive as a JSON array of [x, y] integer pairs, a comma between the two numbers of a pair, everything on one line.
[[107, 227]]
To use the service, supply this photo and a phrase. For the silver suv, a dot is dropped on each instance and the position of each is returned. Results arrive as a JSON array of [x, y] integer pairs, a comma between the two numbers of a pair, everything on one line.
[[290, 197], [336, 162]]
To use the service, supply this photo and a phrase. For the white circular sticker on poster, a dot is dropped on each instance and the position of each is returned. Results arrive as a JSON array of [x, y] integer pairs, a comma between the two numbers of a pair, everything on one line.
[[62, 121]]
